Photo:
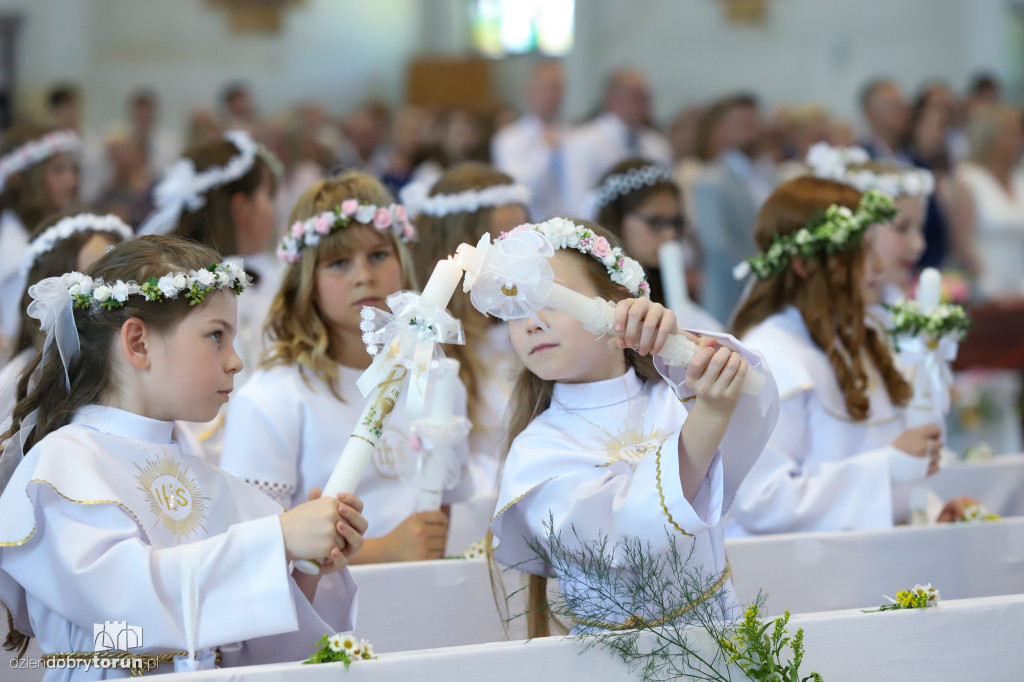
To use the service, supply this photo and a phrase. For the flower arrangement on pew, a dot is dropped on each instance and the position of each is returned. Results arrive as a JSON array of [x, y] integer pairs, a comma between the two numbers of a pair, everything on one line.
[[976, 513], [665, 596], [757, 651], [918, 597], [478, 550], [341, 647]]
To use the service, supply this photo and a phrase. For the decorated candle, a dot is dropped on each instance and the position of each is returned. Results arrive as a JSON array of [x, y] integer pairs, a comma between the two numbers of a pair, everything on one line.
[[673, 276], [928, 289]]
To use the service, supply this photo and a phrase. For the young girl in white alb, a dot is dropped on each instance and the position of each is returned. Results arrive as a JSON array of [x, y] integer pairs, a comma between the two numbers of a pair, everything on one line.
[[289, 423], [606, 441], [106, 519], [842, 456]]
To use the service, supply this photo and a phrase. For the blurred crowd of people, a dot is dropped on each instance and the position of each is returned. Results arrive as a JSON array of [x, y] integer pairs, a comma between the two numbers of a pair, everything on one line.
[[727, 155]]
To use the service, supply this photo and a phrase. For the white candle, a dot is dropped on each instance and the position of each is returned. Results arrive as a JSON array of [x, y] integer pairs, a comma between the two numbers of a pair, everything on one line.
[[444, 392], [442, 283], [928, 289], [673, 277]]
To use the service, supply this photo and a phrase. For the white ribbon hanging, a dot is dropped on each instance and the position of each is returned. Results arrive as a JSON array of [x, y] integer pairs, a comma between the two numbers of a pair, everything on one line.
[[933, 359], [411, 337], [52, 306], [515, 278], [440, 436], [178, 189]]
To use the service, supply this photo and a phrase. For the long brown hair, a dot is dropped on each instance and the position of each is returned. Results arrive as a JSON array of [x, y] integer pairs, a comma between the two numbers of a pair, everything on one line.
[[828, 295], [24, 192], [60, 259], [90, 373], [439, 237], [531, 396], [213, 223], [297, 334]]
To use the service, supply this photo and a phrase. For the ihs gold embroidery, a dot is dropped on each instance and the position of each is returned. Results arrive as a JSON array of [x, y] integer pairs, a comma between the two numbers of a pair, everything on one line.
[[174, 496]]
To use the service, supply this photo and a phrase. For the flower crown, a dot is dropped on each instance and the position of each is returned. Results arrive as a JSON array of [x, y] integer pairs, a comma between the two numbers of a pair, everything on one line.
[[565, 234], [34, 151], [184, 187], [64, 228], [309, 232], [834, 230], [621, 184], [469, 201], [834, 163], [91, 294]]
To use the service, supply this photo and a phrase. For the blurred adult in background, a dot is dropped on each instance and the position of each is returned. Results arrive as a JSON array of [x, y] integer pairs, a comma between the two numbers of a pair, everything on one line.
[[984, 88], [927, 146], [988, 214], [405, 150], [622, 130], [159, 146], [884, 106], [530, 149], [126, 193], [362, 145], [202, 127], [64, 107], [727, 196]]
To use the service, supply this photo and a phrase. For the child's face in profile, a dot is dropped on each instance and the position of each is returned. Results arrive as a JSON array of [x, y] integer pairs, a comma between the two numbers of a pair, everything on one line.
[[897, 245], [194, 363], [565, 352], [363, 275]]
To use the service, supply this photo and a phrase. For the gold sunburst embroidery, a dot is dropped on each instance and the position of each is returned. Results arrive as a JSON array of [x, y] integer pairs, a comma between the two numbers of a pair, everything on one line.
[[631, 446], [174, 497]]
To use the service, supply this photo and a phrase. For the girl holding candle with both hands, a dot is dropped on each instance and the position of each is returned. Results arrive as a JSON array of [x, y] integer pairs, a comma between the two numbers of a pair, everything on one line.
[[841, 456], [345, 250], [606, 440]]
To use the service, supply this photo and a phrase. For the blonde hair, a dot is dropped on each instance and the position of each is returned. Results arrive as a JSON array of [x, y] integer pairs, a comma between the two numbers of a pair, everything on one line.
[[439, 237], [983, 126], [828, 296], [531, 396], [297, 334]]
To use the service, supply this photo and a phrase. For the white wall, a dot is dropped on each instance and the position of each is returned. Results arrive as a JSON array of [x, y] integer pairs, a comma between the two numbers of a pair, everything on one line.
[[342, 51]]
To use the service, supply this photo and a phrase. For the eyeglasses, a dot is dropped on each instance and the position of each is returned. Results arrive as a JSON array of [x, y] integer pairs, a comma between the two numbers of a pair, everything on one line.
[[662, 224]]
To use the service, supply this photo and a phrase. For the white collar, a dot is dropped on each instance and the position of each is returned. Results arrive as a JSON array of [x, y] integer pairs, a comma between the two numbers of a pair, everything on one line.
[[118, 422], [598, 394], [616, 127], [738, 162]]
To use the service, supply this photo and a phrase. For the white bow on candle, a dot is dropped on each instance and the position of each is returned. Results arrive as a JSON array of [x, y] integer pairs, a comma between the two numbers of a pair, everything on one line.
[[411, 337]]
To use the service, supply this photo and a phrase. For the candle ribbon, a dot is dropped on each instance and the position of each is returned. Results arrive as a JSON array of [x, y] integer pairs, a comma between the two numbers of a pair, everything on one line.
[[409, 337], [515, 278], [437, 438], [933, 358]]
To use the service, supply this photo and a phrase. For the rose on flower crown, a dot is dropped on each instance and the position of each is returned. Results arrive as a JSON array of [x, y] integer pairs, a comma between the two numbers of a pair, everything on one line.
[[309, 232]]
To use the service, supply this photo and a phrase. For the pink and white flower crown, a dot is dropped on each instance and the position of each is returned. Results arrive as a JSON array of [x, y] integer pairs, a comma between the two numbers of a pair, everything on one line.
[[309, 232], [34, 151], [565, 234]]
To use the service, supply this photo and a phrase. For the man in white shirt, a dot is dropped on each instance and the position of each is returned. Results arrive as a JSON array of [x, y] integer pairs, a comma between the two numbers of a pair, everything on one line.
[[885, 107], [530, 150], [622, 131]]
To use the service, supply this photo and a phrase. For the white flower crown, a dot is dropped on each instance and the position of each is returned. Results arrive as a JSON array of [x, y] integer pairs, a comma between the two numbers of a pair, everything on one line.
[[34, 151], [183, 187], [469, 201], [621, 184], [565, 234], [309, 232], [834, 163], [92, 294], [64, 228]]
